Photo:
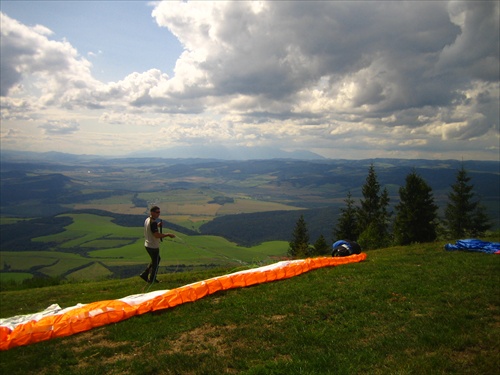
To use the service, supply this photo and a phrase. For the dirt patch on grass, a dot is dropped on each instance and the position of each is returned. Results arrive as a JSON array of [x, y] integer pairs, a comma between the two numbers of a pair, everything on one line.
[[93, 346], [202, 340]]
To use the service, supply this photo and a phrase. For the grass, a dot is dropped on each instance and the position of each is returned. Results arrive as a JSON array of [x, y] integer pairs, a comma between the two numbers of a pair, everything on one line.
[[405, 310], [113, 245], [88, 228]]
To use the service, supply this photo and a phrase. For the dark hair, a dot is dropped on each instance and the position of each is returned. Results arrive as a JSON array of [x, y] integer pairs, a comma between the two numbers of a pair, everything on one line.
[[154, 208]]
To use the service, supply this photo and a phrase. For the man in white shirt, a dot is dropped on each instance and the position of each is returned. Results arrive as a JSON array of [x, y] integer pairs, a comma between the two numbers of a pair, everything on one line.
[[153, 236]]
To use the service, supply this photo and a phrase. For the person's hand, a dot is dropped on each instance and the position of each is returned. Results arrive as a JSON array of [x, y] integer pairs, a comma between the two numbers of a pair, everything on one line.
[[171, 235]]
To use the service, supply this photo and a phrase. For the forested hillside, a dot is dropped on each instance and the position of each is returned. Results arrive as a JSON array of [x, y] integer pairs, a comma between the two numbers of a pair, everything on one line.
[[255, 228]]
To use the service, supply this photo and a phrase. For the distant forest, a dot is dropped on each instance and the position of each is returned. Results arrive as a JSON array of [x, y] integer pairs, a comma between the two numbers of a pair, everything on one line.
[[255, 228]]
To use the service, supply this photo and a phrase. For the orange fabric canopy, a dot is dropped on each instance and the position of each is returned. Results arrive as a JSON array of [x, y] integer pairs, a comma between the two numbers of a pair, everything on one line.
[[29, 329]]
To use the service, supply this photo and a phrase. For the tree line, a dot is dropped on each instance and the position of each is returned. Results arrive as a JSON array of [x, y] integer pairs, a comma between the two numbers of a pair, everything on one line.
[[415, 218]]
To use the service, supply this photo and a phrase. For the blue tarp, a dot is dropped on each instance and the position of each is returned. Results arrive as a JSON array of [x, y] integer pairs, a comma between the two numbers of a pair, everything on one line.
[[475, 245]]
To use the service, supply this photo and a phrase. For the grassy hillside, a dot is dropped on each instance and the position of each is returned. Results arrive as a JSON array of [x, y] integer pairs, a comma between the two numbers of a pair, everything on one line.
[[405, 310]]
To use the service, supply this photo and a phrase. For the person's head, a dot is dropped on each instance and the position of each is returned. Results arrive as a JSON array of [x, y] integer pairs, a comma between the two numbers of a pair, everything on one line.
[[155, 211]]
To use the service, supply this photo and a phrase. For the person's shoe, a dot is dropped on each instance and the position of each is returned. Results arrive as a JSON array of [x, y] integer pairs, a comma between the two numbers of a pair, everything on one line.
[[144, 276]]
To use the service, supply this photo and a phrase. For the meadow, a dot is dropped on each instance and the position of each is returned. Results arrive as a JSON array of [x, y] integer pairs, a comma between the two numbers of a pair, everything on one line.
[[417, 309], [92, 247]]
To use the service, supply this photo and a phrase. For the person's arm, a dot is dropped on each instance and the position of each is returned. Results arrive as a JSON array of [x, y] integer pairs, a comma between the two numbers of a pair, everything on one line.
[[157, 233]]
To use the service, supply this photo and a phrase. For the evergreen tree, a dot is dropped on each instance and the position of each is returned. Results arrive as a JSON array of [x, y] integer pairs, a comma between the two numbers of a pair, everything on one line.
[[464, 216], [347, 224], [385, 216], [372, 238], [369, 210], [416, 212], [372, 216], [320, 247], [299, 246], [480, 222]]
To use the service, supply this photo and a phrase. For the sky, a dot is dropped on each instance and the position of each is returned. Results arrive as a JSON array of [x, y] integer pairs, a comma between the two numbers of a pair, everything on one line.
[[349, 80]]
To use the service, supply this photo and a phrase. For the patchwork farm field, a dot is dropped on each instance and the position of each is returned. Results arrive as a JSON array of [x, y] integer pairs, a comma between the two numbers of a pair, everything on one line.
[[92, 247], [187, 207]]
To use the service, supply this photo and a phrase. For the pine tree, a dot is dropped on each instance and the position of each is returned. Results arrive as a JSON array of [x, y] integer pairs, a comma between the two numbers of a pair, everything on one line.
[[347, 224], [385, 215], [464, 215], [320, 246], [299, 246], [480, 222], [369, 210], [372, 216], [416, 212]]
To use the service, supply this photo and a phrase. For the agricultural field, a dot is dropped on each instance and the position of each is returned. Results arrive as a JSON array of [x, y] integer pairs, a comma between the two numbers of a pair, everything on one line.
[[187, 207], [92, 247]]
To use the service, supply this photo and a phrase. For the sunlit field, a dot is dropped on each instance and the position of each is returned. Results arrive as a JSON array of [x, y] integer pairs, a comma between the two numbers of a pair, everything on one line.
[[92, 245]]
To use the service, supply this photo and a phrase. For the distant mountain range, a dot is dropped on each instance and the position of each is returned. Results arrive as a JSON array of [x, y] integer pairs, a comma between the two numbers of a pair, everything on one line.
[[51, 157], [227, 153], [212, 152]]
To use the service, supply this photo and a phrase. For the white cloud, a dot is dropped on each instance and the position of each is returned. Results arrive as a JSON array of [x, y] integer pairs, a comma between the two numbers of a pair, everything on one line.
[[125, 119], [59, 127], [54, 68], [384, 76]]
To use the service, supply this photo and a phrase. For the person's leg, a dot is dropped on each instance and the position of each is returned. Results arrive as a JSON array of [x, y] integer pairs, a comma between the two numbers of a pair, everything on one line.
[[155, 261], [145, 274]]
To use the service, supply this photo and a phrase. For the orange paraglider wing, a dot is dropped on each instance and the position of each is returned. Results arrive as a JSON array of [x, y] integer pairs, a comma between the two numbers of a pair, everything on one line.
[[56, 322]]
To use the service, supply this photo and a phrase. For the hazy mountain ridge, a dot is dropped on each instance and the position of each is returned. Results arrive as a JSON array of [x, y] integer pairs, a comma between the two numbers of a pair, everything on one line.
[[226, 153], [206, 152]]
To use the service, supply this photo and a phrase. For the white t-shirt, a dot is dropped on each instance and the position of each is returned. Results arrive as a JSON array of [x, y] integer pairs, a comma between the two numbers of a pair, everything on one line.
[[150, 227]]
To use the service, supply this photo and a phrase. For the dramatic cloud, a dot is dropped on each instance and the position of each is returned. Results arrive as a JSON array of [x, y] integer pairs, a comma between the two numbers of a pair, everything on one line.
[[54, 68], [370, 59], [390, 78]]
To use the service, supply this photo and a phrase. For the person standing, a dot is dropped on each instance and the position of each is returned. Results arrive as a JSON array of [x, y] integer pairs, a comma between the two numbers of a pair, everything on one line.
[[152, 238]]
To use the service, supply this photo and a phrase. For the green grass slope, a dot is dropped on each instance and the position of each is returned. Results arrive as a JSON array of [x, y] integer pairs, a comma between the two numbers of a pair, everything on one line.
[[405, 310]]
